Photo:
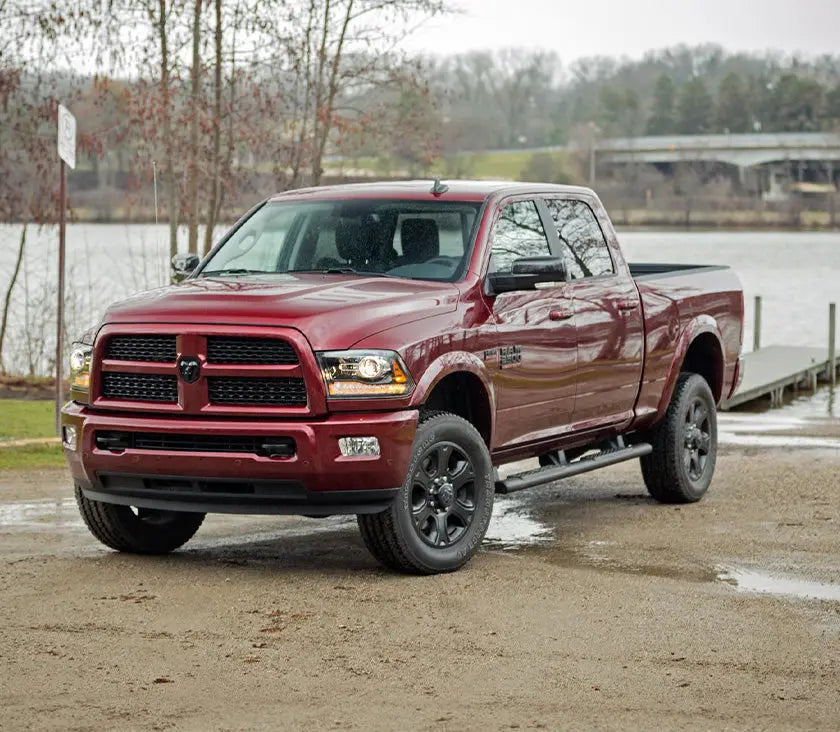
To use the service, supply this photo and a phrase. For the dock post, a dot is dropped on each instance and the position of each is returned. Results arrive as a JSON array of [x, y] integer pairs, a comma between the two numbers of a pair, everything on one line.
[[832, 343], [757, 324]]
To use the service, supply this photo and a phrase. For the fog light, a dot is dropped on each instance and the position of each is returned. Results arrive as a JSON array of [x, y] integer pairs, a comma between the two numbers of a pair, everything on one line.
[[358, 446], [69, 437]]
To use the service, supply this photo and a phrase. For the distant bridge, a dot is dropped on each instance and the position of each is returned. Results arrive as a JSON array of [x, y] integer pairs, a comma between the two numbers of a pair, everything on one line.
[[742, 151]]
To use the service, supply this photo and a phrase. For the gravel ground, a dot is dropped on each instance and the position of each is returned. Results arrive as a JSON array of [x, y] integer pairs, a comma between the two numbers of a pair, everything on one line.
[[590, 606]]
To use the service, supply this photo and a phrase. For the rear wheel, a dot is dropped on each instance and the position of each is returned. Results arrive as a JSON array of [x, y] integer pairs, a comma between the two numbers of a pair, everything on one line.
[[681, 466], [440, 516], [137, 530]]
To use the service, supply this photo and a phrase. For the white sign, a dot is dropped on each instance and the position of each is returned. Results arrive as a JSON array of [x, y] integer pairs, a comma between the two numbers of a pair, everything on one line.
[[66, 136]]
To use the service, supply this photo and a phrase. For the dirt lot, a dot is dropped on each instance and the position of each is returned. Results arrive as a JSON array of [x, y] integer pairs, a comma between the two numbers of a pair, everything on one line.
[[591, 606]]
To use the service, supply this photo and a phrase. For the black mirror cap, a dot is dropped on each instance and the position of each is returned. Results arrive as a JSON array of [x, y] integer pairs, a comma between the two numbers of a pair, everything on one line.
[[184, 264], [526, 274], [555, 267]]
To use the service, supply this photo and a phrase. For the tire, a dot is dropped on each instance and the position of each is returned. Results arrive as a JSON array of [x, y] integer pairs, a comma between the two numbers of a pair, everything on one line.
[[441, 514], [146, 532], [681, 466]]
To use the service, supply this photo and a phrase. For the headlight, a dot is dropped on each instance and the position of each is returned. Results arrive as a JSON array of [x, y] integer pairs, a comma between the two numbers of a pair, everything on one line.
[[80, 366], [364, 374]]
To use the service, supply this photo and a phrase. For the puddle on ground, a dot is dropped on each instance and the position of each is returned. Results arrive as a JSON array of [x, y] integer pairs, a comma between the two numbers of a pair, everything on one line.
[[513, 526], [809, 416], [750, 440], [44, 515], [752, 581]]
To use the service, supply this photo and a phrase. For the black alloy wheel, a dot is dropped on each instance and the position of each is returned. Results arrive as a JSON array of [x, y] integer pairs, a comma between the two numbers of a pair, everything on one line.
[[698, 439], [443, 495]]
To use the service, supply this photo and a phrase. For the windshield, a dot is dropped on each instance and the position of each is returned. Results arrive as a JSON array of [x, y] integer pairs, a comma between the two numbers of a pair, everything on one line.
[[424, 240]]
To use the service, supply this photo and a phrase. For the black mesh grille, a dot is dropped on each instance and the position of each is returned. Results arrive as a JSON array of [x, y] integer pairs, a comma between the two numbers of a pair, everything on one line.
[[281, 391], [140, 387], [275, 446], [155, 349], [222, 349]]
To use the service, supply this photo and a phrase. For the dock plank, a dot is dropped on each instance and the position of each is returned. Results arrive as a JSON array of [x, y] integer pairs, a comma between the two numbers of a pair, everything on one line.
[[775, 367]]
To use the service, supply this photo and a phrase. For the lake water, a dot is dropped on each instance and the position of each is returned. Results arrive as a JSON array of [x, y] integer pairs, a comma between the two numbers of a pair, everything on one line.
[[796, 273]]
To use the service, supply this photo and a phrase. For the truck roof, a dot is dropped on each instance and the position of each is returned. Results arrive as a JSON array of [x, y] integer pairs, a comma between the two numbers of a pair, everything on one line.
[[458, 190]]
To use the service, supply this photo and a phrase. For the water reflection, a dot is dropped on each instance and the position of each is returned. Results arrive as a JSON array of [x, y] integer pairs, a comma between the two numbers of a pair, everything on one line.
[[749, 580]]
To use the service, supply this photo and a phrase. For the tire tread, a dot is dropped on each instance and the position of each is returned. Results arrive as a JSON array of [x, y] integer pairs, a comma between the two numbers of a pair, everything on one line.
[[379, 532], [661, 470], [105, 522]]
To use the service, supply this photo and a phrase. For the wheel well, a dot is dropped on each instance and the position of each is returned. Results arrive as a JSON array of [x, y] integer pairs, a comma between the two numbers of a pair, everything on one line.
[[462, 393], [704, 357]]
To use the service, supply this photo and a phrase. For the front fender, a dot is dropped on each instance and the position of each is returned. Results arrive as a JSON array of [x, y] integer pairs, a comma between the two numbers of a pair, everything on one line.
[[451, 363]]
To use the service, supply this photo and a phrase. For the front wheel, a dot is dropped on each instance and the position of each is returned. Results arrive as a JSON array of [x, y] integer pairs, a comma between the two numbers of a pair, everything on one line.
[[140, 530], [440, 516], [681, 466]]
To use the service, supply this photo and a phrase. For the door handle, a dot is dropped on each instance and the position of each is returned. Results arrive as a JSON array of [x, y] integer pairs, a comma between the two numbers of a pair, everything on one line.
[[627, 304], [563, 314]]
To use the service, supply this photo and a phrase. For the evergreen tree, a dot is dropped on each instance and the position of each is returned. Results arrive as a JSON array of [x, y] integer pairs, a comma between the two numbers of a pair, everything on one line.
[[618, 111], [832, 105], [797, 103], [662, 118], [732, 113], [694, 108]]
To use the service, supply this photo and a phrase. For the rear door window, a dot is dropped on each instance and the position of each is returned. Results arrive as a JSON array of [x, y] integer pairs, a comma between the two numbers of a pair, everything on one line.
[[582, 242]]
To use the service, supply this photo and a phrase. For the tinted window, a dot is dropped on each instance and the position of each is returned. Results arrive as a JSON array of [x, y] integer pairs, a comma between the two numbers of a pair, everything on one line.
[[584, 247], [518, 233], [403, 238]]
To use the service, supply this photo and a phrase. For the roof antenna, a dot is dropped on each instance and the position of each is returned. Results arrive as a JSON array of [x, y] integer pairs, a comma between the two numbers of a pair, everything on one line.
[[438, 188]]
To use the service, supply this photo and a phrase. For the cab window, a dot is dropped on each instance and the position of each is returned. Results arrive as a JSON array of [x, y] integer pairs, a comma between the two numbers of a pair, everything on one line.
[[518, 233], [581, 240]]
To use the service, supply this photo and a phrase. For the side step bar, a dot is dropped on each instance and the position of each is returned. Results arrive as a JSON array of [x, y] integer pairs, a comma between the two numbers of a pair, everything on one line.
[[582, 465]]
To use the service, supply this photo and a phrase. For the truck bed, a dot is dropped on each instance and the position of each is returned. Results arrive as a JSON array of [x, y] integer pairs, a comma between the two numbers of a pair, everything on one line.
[[654, 270], [678, 302]]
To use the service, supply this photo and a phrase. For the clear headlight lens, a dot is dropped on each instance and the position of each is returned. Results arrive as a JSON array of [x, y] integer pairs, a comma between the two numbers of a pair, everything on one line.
[[364, 373], [80, 356]]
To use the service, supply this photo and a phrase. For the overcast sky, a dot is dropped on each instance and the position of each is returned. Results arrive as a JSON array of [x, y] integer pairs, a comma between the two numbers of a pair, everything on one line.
[[631, 27]]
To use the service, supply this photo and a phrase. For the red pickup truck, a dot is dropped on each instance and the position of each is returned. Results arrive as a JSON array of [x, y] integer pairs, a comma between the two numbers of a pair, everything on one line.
[[379, 350]]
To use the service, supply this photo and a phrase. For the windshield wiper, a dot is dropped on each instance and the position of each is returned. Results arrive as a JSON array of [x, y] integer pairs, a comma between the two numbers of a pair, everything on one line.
[[342, 270], [233, 271]]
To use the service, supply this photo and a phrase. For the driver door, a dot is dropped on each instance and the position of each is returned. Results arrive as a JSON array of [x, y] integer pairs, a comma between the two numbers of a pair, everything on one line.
[[537, 345]]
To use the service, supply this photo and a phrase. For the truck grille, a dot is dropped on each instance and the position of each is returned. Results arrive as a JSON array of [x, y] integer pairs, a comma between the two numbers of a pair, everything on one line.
[[266, 446], [140, 387], [286, 392], [259, 370], [224, 349], [151, 348]]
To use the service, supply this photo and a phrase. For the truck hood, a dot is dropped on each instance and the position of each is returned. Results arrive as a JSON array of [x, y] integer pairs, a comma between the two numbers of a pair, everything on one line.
[[332, 311]]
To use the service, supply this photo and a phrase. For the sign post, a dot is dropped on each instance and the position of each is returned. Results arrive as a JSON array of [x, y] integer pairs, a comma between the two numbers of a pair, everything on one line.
[[67, 153]]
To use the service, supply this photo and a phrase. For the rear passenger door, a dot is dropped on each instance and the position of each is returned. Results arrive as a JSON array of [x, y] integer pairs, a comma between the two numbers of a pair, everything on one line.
[[535, 352], [607, 315]]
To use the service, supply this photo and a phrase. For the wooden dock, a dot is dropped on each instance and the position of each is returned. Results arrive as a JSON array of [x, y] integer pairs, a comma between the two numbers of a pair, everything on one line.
[[772, 369]]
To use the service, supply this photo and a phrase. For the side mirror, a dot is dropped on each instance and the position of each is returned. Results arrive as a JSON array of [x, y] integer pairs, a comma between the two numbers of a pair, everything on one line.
[[528, 273], [183, 265]]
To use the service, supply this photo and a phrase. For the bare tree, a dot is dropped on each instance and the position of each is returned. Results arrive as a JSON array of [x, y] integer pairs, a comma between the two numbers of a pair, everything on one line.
[[193, 120]]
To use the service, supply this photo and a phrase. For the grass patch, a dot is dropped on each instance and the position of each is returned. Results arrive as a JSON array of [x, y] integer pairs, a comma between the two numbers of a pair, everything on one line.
[[22, 418], [31, 456], [489, 165]]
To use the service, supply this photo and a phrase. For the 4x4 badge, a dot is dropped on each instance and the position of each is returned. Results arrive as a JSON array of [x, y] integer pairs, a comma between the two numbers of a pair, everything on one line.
[[189, 367]]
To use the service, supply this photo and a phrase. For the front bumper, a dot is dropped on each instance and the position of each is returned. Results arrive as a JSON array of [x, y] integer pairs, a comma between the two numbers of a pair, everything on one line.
[[317, 480]]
